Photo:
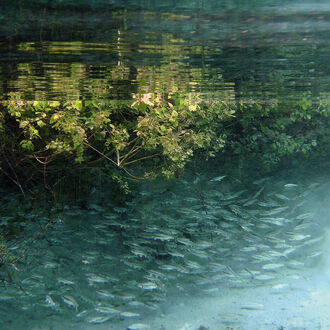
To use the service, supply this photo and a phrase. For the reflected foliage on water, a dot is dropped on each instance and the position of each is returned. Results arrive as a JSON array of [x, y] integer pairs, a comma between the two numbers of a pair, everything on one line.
[[75, 50]]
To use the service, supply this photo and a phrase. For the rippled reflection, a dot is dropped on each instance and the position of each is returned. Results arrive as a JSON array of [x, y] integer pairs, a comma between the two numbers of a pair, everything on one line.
[[262, 48]]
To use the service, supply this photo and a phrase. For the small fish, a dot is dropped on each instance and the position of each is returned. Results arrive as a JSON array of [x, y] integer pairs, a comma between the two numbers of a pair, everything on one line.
[[304, 226], [250, 202], [93, 278], [82, 314], [65, 281], [282, 197], [315, 255], [51, 265], [276, 210], [296, 264], [176, 254], [107, 310], [5, 297], [129, 314], [276, 221], [105, 293], [264, 277], [139, 253], [258, 193], [49, 301], [280, 287], [126, 296], [314, 240], [218, 178], [253, 306], [297, 237], [199, 253], [184, 241], [272, 266], [163, 237], [304, 216], [290, 185], [249, 248], [182, 269], [138, 326], [168, 267], [148, 286], [192, 264], [70, 301], [99, 319]]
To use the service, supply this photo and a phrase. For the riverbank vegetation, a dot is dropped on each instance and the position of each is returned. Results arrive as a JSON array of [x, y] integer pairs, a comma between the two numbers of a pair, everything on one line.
[[151, 134]]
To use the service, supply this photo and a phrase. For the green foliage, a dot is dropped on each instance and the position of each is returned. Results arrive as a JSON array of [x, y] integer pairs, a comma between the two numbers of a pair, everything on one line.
[[164, 128], [160, 131], [273, 130]]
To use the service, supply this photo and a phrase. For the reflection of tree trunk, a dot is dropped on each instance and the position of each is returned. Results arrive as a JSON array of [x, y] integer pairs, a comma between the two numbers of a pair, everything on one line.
[[132, 76], [9, 73]]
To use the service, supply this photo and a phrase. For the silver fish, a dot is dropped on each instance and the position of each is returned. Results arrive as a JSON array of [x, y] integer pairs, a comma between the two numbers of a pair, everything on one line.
[[290, 185], [253, 306], [70, 301], [218, 178], [93, 278], [272, 266], [65, 281], [129, 314], [138, 326], [107, 310], [148, 286], [99, 319], [105, 293], [298, 237], [49, 301]]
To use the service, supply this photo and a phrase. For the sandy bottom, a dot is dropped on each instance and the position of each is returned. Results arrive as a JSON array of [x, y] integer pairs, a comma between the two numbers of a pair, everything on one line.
[[304, 305], [298, 300]]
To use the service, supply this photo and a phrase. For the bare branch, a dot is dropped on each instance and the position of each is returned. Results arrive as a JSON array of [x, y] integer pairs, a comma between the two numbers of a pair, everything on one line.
[[101, 153]]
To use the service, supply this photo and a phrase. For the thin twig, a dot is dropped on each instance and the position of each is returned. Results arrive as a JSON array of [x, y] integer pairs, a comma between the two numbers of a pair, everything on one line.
[[99, 152], [134, 153], [16, 182], [146, 157]]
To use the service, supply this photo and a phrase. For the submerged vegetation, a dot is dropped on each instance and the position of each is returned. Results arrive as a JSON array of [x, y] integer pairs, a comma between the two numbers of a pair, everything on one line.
[[42, 137], [42, 141]]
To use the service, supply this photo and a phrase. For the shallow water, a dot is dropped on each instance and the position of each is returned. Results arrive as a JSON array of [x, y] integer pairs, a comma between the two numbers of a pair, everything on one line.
[[196, 237]]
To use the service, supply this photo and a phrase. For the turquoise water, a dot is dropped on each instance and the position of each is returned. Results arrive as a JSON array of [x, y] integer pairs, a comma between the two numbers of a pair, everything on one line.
[[193, 237]]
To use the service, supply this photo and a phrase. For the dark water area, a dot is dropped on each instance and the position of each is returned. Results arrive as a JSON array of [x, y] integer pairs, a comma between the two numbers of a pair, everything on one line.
[[79, 49]]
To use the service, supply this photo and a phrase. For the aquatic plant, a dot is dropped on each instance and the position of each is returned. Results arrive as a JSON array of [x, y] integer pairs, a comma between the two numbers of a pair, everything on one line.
[[42, 137], [273, 130], [151, 134]]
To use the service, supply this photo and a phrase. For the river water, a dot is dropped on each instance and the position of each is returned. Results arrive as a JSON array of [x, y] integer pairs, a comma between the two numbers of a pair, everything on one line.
[[81, 49], [196, 239], [214, 248]]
